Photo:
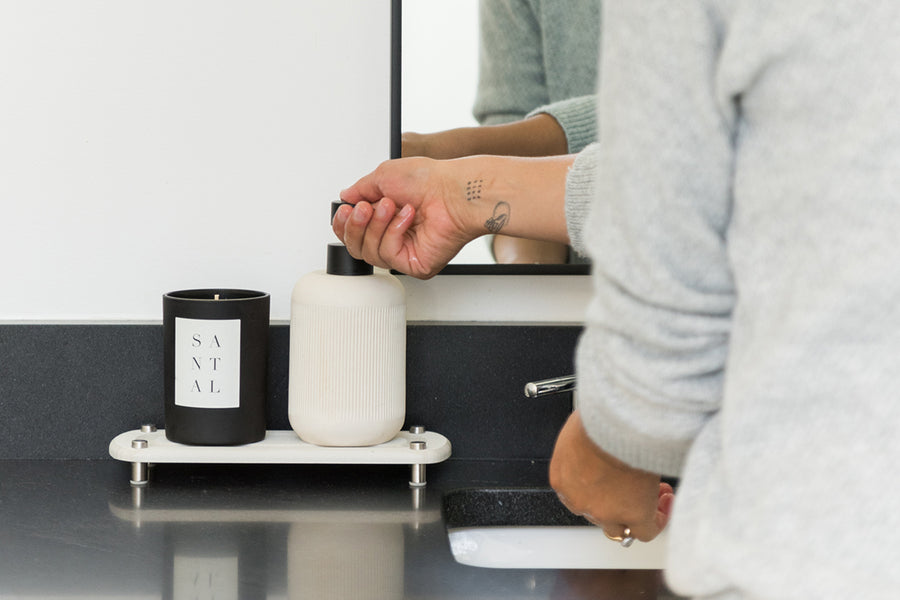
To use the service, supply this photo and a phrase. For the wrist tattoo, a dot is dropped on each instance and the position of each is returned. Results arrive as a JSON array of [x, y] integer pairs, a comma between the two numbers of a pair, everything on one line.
[[473, 189], [499, 218]]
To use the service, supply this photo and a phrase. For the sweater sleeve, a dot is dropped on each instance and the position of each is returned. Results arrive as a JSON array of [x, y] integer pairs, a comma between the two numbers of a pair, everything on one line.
[[580, 192], [650, 362], [578, 119], [511, 79]]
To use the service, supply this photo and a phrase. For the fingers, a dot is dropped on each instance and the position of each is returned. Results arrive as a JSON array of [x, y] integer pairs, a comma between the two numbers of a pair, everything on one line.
[[626, 538], [375, 232], [664, 505], [365, 189], [360, 242], [645, 530], [394, 248], [615, 532], [384, 240], [339, 221], [605, 491], [369, 187], [350, 225], [648, 528]]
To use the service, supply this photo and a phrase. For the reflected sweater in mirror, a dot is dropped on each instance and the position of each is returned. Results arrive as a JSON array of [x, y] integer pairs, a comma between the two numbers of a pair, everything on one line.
[[539, 56]]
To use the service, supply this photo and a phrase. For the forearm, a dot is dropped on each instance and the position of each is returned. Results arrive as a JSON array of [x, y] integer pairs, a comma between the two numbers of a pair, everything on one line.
[[540, 135], [520, 197]]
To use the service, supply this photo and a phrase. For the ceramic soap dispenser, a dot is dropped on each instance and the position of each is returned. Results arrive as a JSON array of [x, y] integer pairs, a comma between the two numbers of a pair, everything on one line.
[[347, 382]]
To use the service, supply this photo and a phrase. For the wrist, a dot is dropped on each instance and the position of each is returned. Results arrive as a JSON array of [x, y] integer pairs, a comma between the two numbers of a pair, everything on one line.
[[520, 197], [482, 193]]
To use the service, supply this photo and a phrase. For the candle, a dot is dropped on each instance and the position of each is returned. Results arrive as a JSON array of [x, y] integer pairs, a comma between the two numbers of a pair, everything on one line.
[[216, 344]]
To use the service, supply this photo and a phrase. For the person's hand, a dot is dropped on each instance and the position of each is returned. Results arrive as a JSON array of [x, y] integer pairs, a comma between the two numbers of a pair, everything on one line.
[[409, 215], [604, 490]]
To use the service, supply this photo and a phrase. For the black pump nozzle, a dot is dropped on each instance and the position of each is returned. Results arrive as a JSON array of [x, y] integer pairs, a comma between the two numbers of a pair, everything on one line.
[[339, 260], [335, 206]]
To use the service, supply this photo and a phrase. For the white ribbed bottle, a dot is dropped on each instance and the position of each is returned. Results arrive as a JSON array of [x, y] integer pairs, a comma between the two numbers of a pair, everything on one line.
[[347, 381]]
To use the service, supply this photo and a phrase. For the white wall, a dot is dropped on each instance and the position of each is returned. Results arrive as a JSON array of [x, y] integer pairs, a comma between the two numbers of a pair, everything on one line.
[[154, 145]]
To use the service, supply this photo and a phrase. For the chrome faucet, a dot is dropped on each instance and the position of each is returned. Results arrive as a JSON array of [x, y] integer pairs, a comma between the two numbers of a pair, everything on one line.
[[536, 389]]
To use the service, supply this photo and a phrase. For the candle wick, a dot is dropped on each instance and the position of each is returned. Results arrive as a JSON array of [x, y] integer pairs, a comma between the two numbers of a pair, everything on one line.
[[216, 297]]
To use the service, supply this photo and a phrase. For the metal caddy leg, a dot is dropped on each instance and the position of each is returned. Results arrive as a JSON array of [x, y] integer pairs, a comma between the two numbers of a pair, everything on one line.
[[139, 470], [417, 478]]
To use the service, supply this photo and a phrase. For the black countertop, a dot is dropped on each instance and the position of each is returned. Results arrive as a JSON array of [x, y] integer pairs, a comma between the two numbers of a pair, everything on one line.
[[77, 529]]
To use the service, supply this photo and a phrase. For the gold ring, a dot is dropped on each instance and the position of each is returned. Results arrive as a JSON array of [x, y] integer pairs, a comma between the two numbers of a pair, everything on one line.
[[625, 540]]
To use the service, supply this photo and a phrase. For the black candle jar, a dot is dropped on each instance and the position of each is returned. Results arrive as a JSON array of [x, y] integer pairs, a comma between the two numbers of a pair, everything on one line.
[[215, 363]]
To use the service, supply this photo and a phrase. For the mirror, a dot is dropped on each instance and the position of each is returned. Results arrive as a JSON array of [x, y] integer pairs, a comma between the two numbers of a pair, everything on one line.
[[438, 81]]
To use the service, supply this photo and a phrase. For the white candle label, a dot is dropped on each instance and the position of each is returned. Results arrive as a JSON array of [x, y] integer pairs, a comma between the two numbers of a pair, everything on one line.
[[208, 363]]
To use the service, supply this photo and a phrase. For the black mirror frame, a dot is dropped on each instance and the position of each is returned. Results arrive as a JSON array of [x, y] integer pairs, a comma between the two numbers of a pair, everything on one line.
[[483, 269]]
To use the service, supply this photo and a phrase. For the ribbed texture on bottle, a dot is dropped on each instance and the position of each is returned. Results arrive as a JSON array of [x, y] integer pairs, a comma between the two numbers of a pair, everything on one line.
[[348, 373]]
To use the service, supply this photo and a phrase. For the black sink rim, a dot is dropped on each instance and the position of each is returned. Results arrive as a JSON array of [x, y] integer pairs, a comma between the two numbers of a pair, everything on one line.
[[506, 507]]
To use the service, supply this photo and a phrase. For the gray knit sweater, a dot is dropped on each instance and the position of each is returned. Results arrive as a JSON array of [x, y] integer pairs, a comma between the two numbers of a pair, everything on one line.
[[540, 56], [745, 332]]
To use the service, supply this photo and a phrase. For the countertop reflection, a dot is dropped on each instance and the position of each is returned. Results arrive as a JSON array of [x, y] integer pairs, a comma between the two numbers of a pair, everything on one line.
[[77, 529]]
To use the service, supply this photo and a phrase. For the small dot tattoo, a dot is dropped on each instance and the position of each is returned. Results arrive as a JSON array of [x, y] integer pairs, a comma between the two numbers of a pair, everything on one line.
[[473, 189]]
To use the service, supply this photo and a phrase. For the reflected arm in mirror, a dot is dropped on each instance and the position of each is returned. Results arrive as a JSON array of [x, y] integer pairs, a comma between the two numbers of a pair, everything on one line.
[[415, 214], [540, 135]]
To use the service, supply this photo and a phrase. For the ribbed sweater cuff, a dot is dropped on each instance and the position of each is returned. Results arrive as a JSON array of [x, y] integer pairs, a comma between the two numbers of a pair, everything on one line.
[[631, 430], [578, 119], [580, 188]]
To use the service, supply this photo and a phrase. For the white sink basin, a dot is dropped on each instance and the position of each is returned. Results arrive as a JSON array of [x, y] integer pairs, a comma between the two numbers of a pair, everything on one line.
[[530, 529], [551, 548]]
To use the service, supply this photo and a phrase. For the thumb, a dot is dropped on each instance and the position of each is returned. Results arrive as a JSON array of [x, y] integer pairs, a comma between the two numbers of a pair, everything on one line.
[[366, 188]]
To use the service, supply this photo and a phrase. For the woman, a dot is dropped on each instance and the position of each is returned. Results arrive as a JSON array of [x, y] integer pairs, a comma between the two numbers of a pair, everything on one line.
[[744, 332]]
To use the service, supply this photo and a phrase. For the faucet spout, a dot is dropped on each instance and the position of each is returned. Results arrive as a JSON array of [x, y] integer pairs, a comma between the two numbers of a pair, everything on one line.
[[546, 387]]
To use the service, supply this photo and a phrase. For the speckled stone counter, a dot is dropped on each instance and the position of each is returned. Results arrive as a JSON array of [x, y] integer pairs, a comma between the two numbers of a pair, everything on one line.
[[77, 529]]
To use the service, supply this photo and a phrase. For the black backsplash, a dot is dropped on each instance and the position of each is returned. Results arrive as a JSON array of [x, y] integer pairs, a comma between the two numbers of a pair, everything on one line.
[[67, 390]]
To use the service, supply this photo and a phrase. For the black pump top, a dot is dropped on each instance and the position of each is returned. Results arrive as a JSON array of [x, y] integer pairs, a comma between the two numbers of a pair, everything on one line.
[[341, 263], [335, 206]]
